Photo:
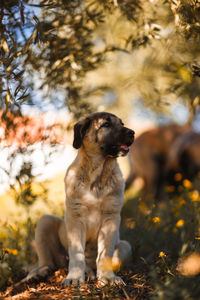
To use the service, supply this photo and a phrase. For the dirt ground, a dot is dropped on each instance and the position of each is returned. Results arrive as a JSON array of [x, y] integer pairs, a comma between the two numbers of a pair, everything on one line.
[[136, 287]]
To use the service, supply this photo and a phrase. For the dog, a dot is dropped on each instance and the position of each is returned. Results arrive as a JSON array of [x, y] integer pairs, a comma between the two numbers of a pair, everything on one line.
[[148, 158], [94, 186], [184, 157]]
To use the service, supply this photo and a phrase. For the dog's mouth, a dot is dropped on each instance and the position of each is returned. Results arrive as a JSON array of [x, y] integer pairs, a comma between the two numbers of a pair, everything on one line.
[[116, 150], [123, 149]]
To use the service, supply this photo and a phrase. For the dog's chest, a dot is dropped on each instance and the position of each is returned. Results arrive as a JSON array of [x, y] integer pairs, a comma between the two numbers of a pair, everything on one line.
[[92, 197], [93, 201], [90, 211]]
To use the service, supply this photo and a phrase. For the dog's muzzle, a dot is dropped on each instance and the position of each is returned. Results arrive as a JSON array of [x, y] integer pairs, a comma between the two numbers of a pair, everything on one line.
[[128, 140], [120, 145]]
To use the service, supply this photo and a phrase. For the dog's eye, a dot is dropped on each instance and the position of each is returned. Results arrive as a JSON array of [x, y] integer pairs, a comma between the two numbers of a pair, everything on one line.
[[106, 124]]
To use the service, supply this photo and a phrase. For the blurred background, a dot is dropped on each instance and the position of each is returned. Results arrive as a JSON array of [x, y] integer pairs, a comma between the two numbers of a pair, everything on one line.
[[137, 59]]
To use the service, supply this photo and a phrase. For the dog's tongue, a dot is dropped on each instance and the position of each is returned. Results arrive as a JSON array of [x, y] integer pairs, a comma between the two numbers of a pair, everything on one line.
[[124, 147]]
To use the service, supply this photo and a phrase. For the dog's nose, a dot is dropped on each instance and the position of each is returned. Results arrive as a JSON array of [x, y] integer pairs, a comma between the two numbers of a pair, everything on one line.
[[131, 133]]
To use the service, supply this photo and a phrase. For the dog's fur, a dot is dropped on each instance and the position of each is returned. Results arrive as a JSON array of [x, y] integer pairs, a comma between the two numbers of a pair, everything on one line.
[[94, 187], [149, 155], [184, 157]]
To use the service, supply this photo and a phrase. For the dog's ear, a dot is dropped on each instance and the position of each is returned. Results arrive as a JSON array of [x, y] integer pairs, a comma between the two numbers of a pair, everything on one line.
[[80, 129]]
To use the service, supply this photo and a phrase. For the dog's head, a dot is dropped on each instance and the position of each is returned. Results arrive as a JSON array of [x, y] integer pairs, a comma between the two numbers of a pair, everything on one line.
[[104, 133]]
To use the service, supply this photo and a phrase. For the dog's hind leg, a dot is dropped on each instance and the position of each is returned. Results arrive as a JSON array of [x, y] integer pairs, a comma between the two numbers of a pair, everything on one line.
[[122, 254], [51, 253]]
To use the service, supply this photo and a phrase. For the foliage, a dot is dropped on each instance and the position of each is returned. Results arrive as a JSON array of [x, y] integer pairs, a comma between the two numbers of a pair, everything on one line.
[[65, 52], [15, 27], [16, 250], [83, 50], [166, 236], [20, 142]]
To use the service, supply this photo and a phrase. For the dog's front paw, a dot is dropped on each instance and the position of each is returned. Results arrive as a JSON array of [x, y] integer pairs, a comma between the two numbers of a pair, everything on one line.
[[110, 279], [75, 277], [37, 273]]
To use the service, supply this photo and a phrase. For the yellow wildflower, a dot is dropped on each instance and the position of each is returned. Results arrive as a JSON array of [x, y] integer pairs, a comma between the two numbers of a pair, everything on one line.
[[178, 177], [170, 188], [156, 220], [10, 251], [14, 251], [194, 196], [162, 254], [180, 223], [187, 184]]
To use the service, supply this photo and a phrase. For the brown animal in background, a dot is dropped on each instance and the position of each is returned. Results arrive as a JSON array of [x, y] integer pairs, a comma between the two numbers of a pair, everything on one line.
[[94, 187], [184, 156], [149, 155]]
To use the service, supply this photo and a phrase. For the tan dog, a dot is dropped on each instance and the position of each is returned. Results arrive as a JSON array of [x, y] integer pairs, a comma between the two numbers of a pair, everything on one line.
[[94, 196], [149, 155]]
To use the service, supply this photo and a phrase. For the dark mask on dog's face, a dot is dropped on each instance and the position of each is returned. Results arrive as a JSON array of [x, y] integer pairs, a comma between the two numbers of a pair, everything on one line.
[[114, 139], [109, 133]]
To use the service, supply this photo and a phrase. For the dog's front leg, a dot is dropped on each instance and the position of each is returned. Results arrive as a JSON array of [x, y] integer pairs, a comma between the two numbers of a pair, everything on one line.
[[75, 228], [107, 239]]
